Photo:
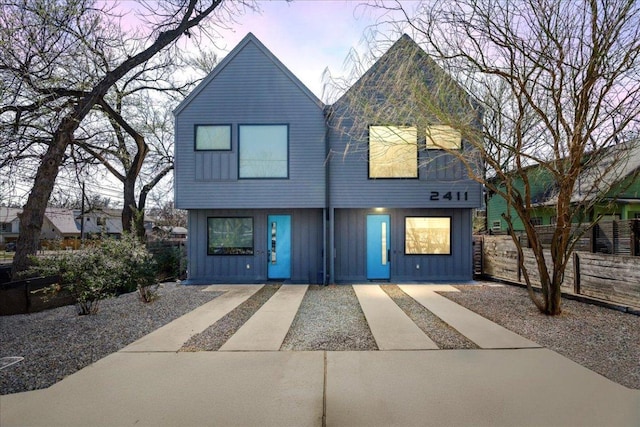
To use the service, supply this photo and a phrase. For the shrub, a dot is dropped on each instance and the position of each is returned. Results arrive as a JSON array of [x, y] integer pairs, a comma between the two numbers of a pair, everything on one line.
[[85, 274], [100, 271], [170, 259], [137, 266]]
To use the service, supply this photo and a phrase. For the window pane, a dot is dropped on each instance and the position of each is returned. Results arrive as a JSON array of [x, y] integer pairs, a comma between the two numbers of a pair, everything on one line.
[[230, 236], [443, 137], [264, 151], [427, 235], [393, 152], [213, 137]]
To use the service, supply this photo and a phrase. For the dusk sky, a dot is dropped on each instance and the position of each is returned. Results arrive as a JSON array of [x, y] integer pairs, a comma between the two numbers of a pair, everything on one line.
[[307, 36]]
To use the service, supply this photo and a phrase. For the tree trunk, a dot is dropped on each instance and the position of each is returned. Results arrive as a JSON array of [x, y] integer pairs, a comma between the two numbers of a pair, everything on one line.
[[554, 300], [142, 202], [130, 207], [32, 215]]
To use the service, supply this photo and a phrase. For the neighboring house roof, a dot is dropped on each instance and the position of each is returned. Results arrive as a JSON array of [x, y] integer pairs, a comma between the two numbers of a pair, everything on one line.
[[63, 220], [249, 38], [615, 165], [112, 221], [171, 229], [8, 215]]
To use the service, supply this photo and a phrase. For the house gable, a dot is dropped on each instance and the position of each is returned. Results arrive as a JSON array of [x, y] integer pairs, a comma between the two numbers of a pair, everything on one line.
[[249, 39], [250, 87], [397, 91]]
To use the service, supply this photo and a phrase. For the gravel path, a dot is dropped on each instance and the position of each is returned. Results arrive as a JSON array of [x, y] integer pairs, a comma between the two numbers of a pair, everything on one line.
[[601, 339], [212, 338], [56, 343], [329, 318], [439, 331]]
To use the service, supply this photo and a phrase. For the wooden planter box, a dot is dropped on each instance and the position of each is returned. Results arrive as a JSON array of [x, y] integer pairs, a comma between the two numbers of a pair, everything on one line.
[[28, 296]]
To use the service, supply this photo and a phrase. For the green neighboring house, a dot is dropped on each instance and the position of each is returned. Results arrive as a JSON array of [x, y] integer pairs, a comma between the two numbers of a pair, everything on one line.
[[621, 201]]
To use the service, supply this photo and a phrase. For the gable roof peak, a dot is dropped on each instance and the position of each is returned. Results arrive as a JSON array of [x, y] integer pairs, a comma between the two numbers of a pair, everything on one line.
[[249, 38]]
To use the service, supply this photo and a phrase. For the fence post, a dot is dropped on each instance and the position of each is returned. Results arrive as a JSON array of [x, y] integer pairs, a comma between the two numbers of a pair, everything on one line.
[[635, 237], [576, 273]]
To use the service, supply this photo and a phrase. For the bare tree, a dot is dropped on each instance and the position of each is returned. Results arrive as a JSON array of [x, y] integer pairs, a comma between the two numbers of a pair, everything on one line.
[[51, 84], [557, 85], [166, 214]]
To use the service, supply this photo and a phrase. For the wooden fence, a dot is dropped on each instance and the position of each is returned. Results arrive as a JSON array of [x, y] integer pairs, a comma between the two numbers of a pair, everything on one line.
[[614, 278], [620, 237], [29, 296]]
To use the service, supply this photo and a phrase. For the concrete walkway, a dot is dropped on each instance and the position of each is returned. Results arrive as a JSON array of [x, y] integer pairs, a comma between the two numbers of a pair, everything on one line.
[[150, 384], [172, 336], [481, 331], [267, 328], [391, 327]]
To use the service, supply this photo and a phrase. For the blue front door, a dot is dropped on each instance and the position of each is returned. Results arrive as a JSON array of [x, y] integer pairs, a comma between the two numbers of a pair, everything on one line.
[[279, 246], [378, 247]]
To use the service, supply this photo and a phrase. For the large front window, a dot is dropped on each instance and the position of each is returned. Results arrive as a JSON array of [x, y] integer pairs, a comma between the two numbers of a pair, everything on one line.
[[230, 236], [428, 236], [264, 151], [393, 152]]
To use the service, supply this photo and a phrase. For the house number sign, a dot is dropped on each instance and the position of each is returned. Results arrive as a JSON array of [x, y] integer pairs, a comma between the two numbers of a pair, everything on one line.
[[449, 195]]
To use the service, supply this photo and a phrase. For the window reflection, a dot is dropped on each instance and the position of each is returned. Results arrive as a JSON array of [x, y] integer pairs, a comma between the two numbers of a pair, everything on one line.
[[393, 152], [427, 235]]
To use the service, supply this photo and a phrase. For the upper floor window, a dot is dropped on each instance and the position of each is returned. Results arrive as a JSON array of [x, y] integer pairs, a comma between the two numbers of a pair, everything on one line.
[[263, 151], [442, 137], [213, 137], [393, 152]]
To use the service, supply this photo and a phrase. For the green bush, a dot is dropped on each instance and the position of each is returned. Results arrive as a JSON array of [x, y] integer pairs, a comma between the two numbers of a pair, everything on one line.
[[170, 260], [101, 271], [137, 268]]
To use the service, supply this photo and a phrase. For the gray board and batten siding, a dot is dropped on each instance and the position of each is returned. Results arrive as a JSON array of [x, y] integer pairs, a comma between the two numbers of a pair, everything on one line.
[[442, 181], [441, 189], [375, 98], [306, 248], [250, 87], [351, 247]]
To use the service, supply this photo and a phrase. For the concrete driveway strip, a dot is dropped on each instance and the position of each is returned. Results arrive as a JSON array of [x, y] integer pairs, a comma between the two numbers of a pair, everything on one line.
[[180, 389], [172, 336], [481, 331], [523, 387], [390, 326], [267, 328]]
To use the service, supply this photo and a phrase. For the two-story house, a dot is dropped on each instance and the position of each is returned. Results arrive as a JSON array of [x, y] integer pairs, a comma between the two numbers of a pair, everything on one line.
[[273, 193]]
